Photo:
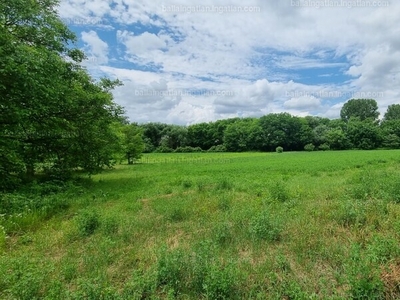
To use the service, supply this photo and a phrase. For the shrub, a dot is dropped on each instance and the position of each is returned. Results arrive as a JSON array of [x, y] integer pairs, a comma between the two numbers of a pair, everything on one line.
[[163, 149], [217, 148], [279, 149], [188, 149], [324, 147], [309, 147]]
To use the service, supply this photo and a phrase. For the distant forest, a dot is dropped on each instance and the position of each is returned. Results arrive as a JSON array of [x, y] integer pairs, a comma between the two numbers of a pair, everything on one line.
[[358, 128]]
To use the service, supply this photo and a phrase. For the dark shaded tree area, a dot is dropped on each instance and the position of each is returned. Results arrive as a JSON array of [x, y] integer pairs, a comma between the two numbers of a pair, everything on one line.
[[358, 128], [54, 118]]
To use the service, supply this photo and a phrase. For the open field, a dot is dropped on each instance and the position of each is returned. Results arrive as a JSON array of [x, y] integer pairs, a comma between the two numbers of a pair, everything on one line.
[[309, 225]]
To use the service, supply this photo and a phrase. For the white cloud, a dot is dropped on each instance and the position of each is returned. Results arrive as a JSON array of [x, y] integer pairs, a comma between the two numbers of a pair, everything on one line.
[[303, 103], [95, 48], [239, 52]]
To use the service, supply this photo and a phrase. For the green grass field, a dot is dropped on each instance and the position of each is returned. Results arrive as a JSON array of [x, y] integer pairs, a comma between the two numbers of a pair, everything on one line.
[[319, 225]]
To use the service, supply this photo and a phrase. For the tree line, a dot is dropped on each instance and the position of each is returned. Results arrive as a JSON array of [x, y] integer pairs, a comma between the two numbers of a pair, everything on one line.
[[358, 128]]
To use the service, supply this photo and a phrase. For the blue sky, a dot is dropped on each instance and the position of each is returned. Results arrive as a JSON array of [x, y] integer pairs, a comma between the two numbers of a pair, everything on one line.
[[185, 62]]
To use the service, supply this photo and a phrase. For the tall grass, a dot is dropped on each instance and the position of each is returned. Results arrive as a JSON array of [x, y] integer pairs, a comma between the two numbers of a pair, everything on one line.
[[312, 225]]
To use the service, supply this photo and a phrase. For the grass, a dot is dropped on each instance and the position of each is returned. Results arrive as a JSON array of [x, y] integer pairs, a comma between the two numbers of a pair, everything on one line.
[[309, 225]]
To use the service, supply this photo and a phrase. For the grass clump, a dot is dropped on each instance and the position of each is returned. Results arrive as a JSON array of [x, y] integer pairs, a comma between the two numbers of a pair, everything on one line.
[[279, 192], [264, 226], [87, 222]]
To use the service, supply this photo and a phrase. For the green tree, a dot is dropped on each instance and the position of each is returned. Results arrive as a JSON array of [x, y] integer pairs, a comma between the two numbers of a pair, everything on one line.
[[360, 108], [133, 144], [392, 113], [364, 134], [281, 130], [51, 110], [337, 139]]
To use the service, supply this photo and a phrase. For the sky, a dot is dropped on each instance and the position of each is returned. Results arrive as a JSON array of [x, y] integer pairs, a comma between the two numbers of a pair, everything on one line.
[[186, 62]]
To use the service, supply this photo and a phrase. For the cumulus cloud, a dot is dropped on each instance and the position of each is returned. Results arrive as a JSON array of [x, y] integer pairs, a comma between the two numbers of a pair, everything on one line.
[[95, 48], [259, 56], [303, 103]]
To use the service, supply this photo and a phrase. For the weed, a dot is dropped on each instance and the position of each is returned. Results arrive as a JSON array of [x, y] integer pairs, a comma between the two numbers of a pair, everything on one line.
[[110, 225], [265, 227], [177, 214], [351, 213], [224, 184], [221, 282], [279, 191], [222, 234], [224, 203], [87, 222], [171, 269], [187, 184]]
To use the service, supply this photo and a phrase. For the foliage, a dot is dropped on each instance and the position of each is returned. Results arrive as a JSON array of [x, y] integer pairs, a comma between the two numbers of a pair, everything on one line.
[[309, 147], [324, 147], [51, 111], [188, 149], [363, 134], [392, 113], [218, 148], [360, 108], [279, 149], [133, 144]]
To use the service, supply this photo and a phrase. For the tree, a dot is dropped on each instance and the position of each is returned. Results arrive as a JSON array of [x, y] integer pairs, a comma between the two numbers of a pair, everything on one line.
[[337, 139], [133, 144], [200, 135], [152, 134], [363, 134], [52, 113], [360, 108], [243, 135], [392, 113], [281, 130], [174, 136]]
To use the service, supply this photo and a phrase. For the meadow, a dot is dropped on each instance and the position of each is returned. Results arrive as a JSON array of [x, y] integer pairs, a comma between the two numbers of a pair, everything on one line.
[[292, 225]]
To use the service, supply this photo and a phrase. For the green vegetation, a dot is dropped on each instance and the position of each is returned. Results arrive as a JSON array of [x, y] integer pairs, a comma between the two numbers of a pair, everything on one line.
[[358, 128], [294, 225]]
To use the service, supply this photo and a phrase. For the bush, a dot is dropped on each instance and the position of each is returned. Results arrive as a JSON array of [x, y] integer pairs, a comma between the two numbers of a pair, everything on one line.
[[279, 149], [218, 148], [187, 149], [163, 149], [324, 147], [309, 147]]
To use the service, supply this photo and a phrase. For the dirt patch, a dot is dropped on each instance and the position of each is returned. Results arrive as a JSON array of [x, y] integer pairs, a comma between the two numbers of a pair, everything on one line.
[[391, 279]]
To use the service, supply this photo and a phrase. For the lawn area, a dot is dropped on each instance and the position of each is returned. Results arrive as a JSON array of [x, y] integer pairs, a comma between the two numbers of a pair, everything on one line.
[[295, 225]]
